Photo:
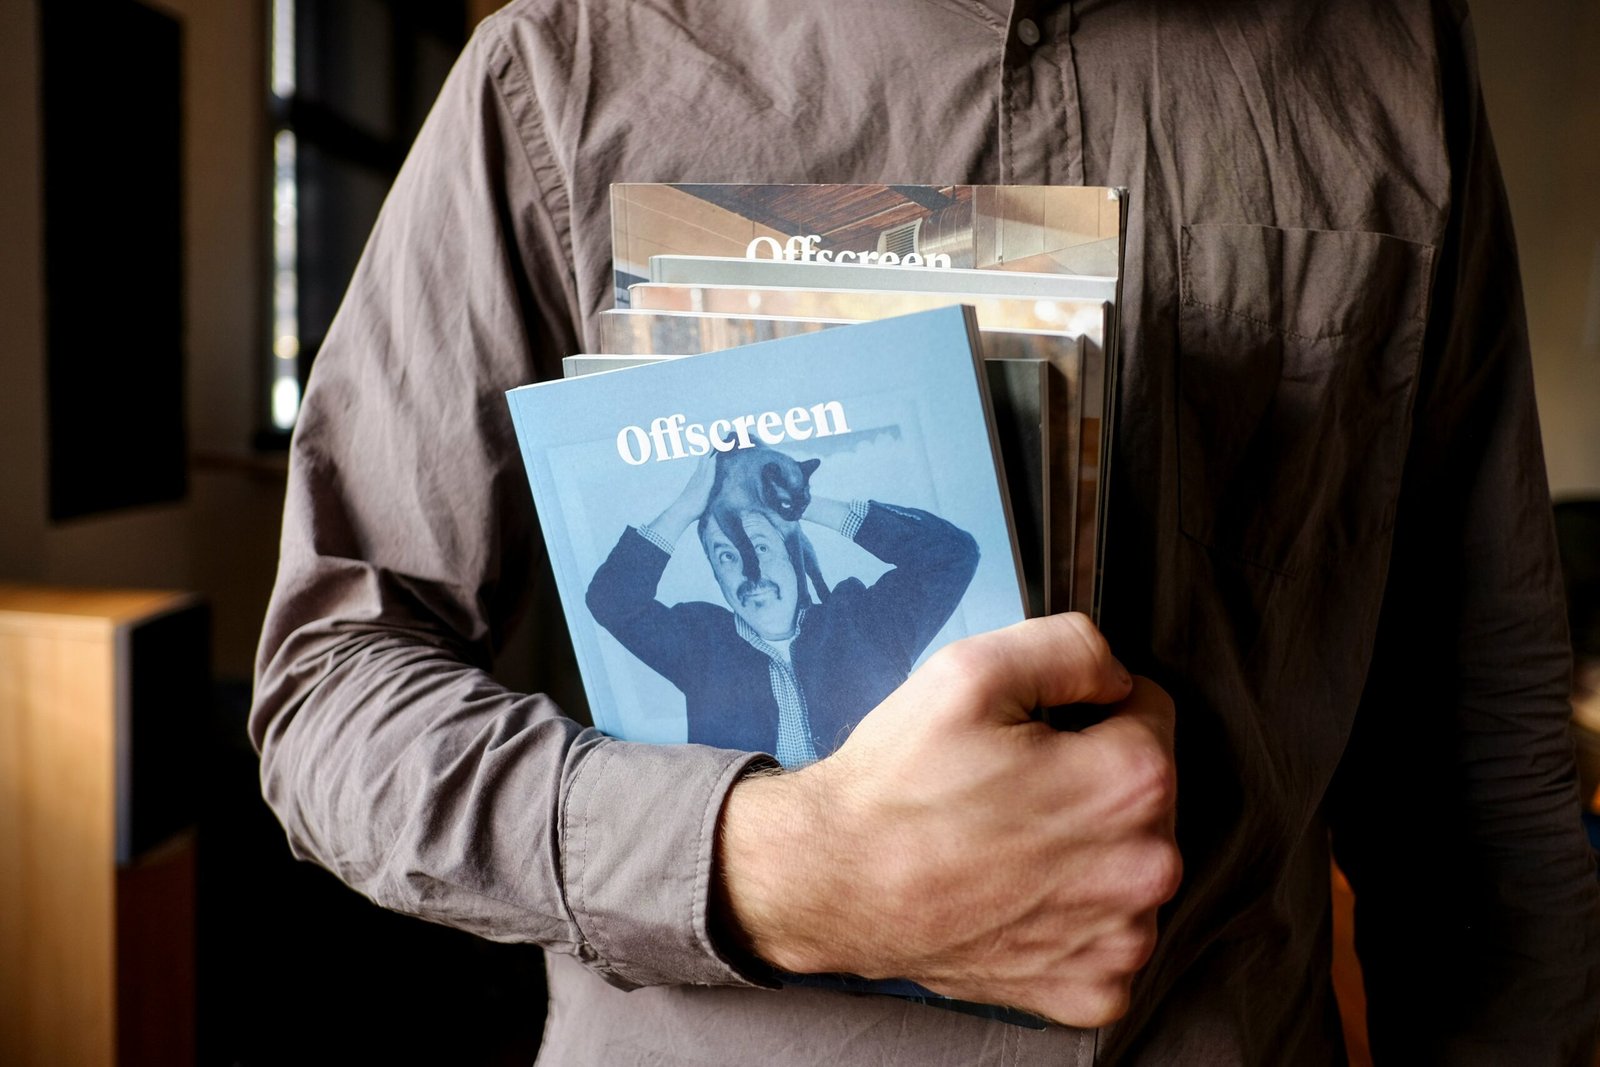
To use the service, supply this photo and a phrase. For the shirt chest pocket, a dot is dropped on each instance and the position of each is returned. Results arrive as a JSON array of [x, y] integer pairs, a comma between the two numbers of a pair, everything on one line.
[[1297, 354]]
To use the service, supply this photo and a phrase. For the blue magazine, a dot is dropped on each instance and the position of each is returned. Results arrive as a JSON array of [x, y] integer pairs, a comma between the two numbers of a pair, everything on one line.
[[754, 546], [854, 521]]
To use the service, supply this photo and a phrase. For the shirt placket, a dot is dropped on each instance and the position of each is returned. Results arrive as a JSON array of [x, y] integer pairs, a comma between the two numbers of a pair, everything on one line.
[[1041, 122], [795, 745]]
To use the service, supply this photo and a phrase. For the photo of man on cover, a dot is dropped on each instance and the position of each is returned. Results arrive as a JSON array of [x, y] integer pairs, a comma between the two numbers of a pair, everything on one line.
[[790, 664]]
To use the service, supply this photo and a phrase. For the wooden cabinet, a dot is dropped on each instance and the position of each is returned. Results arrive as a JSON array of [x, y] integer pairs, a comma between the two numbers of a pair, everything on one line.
[[102, 696]]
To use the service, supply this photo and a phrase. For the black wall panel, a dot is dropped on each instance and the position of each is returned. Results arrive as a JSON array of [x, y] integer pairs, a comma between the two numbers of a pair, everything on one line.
[[113, 235]]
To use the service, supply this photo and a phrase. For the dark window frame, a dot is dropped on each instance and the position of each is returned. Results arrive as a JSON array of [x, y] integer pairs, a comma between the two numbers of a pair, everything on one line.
[[338, 139]]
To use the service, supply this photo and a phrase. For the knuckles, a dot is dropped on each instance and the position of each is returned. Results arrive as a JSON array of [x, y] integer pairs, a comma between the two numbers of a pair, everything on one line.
[[1093, 1004], [1155, 877], [1142, 779], [1136, 878], [961, 666], [1127, 952]]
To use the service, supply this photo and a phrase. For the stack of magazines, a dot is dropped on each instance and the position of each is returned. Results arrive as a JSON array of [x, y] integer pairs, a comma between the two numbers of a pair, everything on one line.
[[842, 425], [705, 267], [838, 427]]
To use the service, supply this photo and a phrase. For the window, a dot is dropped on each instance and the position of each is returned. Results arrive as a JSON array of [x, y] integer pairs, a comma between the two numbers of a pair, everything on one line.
[[350, 83]]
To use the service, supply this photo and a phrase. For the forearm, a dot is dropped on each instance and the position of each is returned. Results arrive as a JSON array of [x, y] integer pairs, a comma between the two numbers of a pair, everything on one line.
[[775, 892], [360, 761], [671, 523], [918, 541], [826, 511], [621, 595], [434, 791], [388, 752], [934, 562]]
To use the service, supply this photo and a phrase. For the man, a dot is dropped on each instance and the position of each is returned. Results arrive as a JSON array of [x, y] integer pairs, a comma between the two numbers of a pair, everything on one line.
[[1330, 541], [774, 673]]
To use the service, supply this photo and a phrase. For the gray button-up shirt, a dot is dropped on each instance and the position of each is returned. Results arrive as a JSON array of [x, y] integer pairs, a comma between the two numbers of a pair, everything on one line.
[[1330, 526]]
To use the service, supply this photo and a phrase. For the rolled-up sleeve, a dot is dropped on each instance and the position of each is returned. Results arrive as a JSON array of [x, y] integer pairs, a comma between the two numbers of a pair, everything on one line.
[[388, 752], [1456, 812]]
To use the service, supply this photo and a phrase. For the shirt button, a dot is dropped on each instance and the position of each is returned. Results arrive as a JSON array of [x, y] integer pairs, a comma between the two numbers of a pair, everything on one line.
[[1028, 32]]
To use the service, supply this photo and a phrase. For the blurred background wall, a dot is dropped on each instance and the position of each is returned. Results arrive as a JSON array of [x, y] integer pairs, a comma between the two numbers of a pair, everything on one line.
[[222, 539], [1542, 85], [283, 939], [293, 967]]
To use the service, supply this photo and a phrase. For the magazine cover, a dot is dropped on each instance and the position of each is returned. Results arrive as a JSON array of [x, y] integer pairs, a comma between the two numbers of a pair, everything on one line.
[[754, 547], [1041, 229]]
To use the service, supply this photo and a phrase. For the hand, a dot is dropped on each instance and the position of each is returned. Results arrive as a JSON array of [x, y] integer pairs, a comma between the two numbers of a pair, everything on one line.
[[691, 502], [956, 841]]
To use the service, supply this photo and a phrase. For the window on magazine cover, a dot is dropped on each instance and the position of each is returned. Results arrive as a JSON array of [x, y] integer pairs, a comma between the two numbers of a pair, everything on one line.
[[349, 83]]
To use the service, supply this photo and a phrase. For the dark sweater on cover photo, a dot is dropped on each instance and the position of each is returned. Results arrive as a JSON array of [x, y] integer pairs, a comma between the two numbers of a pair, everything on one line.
[[846, 655]]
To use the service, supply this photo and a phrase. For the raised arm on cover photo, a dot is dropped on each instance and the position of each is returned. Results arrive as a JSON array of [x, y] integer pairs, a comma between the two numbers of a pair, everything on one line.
[[791, 664]]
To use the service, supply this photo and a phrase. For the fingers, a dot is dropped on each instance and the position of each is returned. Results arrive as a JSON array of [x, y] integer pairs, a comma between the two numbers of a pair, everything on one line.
[[1089, 1005], [1146, 711], [1132, 751], [939, 766], [1059, 659], [1098, 993]]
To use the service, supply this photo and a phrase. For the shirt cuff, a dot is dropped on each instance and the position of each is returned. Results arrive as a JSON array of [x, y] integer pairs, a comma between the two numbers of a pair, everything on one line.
[[638, 839], [853, 519], [656, 539]]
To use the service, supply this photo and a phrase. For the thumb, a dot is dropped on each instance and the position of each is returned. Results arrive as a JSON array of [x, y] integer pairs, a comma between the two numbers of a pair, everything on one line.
[[1039, 663], [1147, 716]]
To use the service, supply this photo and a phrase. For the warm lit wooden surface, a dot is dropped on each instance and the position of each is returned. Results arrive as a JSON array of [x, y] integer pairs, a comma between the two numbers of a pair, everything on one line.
[[55, 606], [156, 956], [58, 875], [1347, 986]]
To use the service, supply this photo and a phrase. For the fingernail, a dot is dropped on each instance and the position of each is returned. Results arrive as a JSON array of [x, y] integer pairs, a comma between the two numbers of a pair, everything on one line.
[[1122, 673]]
